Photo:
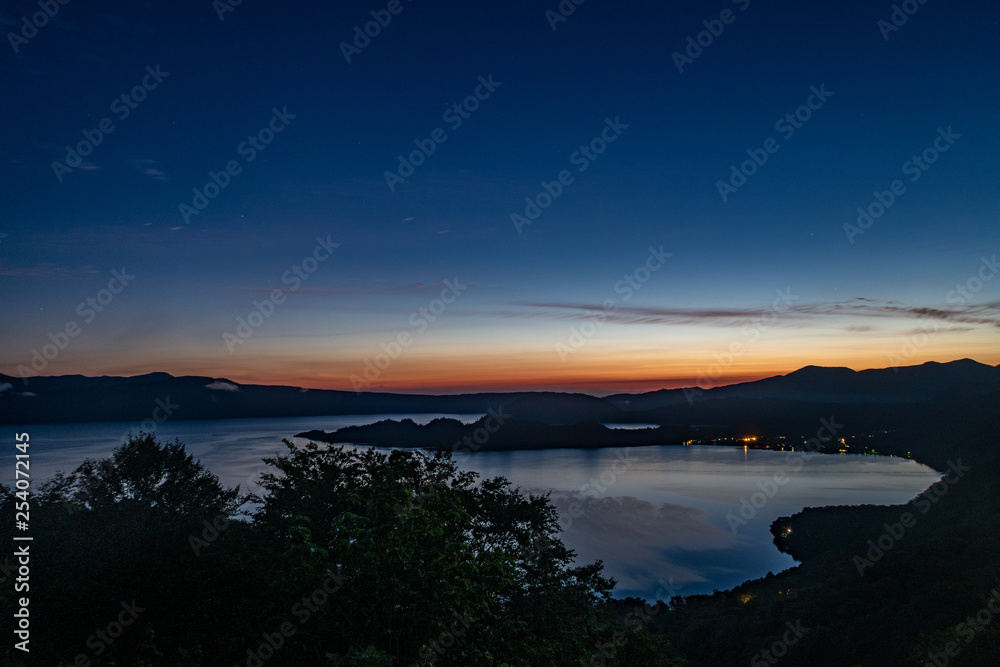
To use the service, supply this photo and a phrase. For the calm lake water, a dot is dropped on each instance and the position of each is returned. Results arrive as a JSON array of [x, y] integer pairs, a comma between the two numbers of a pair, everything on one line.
[[654, 515]]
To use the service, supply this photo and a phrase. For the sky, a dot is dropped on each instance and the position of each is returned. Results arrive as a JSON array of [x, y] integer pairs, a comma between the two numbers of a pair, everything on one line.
[[442, 197]]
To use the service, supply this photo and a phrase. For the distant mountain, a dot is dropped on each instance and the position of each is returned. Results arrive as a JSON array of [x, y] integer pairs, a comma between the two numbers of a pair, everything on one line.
[[793, 398], [76, 398], [903, 384]]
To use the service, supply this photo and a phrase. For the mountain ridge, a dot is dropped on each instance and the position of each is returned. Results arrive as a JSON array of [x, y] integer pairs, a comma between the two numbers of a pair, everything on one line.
[[79, 398]]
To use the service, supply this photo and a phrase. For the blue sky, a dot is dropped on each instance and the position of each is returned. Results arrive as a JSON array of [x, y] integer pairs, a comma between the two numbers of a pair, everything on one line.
[[655, 185]]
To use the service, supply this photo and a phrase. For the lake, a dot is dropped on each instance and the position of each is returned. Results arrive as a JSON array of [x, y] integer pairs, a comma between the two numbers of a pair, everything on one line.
[[695, 519]]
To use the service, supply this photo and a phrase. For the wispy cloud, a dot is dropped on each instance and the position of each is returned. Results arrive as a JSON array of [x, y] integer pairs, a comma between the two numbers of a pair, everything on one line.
[[219, 385], [149, 168], [794, 315], [45, 270], [918, 330], [352, 288]]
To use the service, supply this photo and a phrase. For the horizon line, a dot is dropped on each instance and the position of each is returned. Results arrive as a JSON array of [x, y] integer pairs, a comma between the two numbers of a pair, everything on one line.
[[678, 383]]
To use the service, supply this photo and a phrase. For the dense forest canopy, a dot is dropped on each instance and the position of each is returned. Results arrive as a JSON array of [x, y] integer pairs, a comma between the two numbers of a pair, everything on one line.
[[351, 557], [383, 558]]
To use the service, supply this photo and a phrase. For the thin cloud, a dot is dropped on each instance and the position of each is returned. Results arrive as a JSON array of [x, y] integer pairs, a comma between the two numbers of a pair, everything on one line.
[[219, 385], [44, 270], [394, 288], [794, 315], [914, 332], [149, 168]]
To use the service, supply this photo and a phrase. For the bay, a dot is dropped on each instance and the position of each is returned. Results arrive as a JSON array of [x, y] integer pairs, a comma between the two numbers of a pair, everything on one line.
[[664, 520]]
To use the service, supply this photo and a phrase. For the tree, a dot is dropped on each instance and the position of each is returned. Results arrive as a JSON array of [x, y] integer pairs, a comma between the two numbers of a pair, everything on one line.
[[112, 543], [437, 566], [352, 558], [160, 478]]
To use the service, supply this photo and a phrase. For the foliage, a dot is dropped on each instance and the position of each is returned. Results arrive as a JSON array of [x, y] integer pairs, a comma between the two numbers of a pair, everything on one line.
[[350, 558], [864, 604]]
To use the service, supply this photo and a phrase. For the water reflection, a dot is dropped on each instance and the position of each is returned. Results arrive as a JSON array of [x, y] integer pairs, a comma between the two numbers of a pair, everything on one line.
[[650, 513]]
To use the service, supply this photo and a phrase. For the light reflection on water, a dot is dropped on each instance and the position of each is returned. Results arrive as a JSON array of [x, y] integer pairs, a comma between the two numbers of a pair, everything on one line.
[[656, 513], [650, 513]]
